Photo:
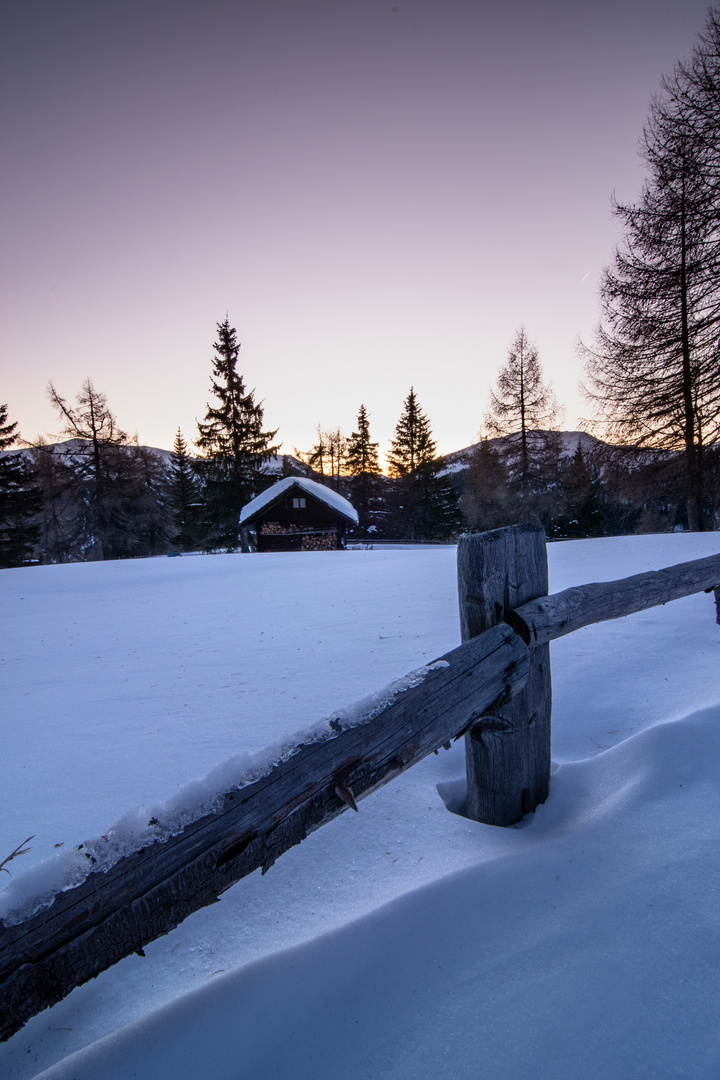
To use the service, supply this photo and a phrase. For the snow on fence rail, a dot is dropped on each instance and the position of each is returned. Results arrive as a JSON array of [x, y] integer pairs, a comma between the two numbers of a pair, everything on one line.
[[495, 689]]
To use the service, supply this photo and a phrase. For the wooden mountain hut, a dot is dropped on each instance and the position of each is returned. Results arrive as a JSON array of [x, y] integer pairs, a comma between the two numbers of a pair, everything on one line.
[[297, 514]]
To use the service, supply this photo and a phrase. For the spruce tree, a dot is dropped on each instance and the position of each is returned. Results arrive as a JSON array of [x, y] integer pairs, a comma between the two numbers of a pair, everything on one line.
[[425, 500], [362, 453], [363, 466], [413, 444], [183, 497], [233, 444], [20, 499]]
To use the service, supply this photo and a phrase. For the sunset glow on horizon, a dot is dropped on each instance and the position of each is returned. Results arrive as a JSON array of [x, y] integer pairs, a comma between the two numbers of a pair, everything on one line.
[[376, 194]]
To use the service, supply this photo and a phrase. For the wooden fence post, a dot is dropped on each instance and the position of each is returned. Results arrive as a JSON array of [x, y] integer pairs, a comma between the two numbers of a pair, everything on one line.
[[507, 750]]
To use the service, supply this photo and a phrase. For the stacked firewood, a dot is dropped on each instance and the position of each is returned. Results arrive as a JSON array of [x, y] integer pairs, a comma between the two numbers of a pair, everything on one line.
[[310, 541], [274, 528], [319, 542]]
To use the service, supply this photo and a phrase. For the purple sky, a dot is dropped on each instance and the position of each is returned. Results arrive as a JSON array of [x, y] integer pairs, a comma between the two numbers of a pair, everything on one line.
[[376, 193]]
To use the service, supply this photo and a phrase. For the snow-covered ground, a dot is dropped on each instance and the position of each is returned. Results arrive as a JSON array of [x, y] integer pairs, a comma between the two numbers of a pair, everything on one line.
[[404, 941]]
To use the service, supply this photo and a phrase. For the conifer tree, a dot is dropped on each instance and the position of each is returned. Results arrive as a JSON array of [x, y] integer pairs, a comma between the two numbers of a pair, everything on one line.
[[234, 446], [20, 500], [183, 497], [413, 444], [425, 501], [362, 453], [363, 466]]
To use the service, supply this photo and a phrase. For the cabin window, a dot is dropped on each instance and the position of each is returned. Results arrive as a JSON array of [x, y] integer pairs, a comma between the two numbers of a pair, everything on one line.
[[299, 504]]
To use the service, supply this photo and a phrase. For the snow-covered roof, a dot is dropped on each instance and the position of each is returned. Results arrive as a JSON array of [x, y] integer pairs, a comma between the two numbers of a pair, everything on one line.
[[318, 491]]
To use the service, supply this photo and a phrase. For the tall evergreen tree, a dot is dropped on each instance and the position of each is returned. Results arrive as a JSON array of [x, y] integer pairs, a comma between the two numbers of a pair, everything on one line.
[[426, 501], [653, 370], [523, 408], [183, 497], [20, 499], [234, 446], [362, 452], [363, 466], [413, 444]]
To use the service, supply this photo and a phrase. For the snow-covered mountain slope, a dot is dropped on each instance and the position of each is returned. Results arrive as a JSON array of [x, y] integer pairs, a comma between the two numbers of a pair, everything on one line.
[[569, 440], [273, 466]]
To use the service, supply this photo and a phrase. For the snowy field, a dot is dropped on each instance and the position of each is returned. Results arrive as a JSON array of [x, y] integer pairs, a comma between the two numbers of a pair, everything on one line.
[[404, 941]]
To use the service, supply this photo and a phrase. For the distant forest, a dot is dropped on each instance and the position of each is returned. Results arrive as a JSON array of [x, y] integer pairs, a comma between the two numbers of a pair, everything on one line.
[[95, 494]]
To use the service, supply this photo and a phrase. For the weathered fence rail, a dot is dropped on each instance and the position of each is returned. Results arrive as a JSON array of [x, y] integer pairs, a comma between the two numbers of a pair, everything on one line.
[[495, 688], [146, 894], [542, 620]]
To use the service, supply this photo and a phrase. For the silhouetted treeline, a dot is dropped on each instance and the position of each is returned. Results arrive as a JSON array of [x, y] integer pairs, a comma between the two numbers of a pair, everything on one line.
[[96, 494], [114, 499]]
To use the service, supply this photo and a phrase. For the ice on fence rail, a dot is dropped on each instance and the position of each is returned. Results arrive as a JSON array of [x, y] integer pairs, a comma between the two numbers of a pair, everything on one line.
[[34, 889]]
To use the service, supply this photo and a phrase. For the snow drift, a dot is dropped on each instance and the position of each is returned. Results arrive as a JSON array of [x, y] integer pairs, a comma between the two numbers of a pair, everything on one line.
[[403, 941]]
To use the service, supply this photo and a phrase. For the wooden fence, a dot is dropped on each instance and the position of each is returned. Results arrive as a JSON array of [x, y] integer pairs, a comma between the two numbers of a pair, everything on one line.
[[494, 689]]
